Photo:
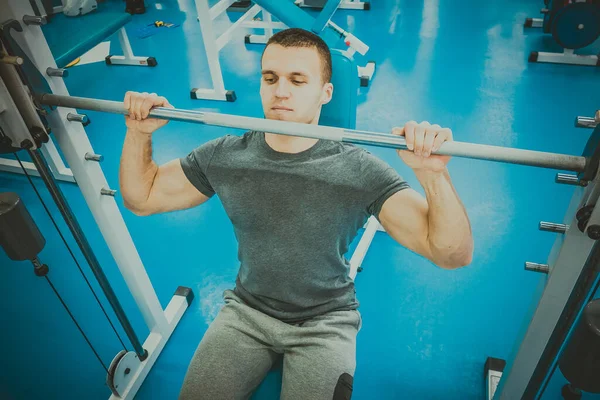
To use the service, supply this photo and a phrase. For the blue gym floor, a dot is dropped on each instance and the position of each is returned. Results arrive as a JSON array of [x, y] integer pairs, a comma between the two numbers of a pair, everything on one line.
[[426, 331]]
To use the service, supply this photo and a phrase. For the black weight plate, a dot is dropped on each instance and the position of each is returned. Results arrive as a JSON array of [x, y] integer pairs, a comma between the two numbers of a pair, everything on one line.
[[566, 21]]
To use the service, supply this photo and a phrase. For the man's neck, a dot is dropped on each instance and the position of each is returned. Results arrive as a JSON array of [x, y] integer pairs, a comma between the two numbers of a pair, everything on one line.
[[289, 144]]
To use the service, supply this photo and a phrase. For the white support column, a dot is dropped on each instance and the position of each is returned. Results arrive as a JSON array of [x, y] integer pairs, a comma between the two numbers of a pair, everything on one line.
[[125, 45], [268, 19], [211, 50]]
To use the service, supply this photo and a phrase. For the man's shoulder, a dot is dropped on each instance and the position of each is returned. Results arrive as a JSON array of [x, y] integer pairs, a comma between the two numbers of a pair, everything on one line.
[[229, 140], [234, 140]]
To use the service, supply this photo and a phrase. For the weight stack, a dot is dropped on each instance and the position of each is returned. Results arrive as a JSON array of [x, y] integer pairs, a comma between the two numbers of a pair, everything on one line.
[[580, 362], [19, 235]]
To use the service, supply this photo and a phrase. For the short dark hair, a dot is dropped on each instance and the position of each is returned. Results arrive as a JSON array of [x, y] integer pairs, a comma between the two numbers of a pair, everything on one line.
[[296, 37]]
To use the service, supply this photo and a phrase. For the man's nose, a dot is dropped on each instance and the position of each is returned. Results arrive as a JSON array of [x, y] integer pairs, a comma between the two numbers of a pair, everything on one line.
[[283, 88]]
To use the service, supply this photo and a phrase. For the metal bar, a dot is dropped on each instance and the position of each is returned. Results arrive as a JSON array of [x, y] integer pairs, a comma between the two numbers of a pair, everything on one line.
[[13, 167], [586, 122], [58, 197], [568, 179], [552, 227], [536, 267], [457, 149]]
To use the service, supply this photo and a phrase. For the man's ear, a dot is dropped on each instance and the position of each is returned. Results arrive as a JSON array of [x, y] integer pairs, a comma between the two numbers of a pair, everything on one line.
[[327, 93]]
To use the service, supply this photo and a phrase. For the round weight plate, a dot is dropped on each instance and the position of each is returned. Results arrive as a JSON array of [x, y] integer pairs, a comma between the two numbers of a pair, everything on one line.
[[576, 25]]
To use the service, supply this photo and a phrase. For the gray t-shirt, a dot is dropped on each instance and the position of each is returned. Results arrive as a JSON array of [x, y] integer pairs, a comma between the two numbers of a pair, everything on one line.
[[294, 217]]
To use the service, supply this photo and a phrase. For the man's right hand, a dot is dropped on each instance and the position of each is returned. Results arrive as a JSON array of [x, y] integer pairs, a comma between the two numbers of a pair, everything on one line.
[[139, 106]]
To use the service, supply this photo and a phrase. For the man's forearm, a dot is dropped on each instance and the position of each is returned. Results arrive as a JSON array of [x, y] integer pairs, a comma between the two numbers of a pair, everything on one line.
[[450, 236], [137, 169]]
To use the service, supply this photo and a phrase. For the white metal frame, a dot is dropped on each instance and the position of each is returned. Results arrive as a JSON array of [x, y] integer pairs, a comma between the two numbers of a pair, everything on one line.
[[345, 4], [55, 163], [128, 58], [491, 383], [213, 44], [568, 56], [371, 228], [73, 141]]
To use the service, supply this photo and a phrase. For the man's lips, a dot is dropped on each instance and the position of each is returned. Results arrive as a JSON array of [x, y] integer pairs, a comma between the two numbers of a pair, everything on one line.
[[281, 108]]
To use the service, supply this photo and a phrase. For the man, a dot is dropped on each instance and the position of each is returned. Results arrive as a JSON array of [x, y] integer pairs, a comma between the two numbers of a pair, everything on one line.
[[296, 204]]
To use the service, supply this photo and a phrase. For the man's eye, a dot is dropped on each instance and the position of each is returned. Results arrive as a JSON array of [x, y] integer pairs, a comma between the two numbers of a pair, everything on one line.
[[298, 82], [269, 80]]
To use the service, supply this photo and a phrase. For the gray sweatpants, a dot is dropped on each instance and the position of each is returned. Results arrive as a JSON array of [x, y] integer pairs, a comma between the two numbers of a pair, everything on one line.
[[242, 344]]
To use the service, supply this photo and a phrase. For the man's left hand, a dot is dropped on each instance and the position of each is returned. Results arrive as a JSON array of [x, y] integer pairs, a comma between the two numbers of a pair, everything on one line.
[[423, 139]]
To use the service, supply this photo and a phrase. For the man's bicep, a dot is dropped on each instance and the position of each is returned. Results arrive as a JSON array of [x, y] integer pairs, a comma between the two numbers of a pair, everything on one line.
[[404, 217], [172, 190]]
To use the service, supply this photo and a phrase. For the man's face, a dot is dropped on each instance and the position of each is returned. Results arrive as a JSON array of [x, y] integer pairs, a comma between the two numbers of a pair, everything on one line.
[[291, 87]]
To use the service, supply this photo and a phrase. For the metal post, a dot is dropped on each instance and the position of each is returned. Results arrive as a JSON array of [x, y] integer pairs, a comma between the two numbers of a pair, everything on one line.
[[267, 18], [210, 45], [552, 227], [125, 45], [586, 122]]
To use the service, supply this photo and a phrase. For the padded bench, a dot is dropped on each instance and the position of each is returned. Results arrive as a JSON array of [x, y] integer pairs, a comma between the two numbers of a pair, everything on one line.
[[71, 37]]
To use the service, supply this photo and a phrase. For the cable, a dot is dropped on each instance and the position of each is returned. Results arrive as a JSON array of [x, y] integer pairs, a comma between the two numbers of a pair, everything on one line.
[[75, 321], [70, 251]]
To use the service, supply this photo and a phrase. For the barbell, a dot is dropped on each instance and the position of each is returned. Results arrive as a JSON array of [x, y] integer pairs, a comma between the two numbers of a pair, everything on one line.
[[585, 165]]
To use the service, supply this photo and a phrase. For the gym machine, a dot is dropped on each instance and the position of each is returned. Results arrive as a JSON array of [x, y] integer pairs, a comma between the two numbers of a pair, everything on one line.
[[574, 24], [345, 4], [37, 106], [288, 15]]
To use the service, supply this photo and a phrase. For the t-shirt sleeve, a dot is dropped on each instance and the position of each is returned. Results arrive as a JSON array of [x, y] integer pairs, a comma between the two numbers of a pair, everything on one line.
[[381, 182], [196, 166]]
